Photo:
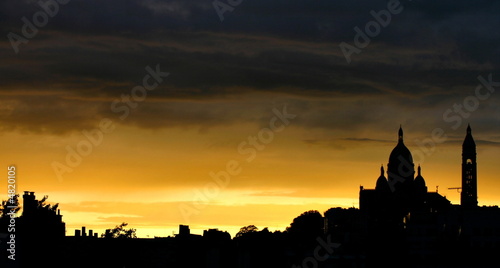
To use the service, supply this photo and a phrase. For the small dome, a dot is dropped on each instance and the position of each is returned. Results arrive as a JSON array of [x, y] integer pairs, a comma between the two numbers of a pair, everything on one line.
[[382, 184], [419, 180]]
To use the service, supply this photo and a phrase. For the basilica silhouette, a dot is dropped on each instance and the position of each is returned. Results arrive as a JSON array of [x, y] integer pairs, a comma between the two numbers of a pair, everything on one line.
[[401, 192], [401, 220], [399, 223]]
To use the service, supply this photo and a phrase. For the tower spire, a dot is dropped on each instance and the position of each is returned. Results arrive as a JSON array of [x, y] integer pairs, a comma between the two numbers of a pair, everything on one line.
[[468, 196], [400, 134]]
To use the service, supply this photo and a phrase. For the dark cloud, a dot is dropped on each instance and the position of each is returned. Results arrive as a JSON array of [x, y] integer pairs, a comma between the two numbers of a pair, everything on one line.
[[92, 52]]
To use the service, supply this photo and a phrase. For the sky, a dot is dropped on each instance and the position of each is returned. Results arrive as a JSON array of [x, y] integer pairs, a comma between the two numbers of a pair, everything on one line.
[[222, 114]]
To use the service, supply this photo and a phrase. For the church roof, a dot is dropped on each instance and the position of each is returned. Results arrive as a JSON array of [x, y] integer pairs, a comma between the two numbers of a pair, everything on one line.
[[400, 151], [469, 143], [382, 184], [419, 180]]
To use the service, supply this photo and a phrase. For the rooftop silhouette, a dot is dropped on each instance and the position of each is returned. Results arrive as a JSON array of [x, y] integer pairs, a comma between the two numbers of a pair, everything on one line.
[[399, 222]]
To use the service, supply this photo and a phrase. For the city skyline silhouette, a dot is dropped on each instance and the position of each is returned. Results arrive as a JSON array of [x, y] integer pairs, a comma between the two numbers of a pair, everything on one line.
[[420, 226], [159, 118], [191, 209]]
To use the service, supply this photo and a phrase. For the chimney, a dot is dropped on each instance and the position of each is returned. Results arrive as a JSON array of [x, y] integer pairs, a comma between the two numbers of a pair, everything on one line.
[[184, 230], [83, 231], [77, 233], [29, 204]]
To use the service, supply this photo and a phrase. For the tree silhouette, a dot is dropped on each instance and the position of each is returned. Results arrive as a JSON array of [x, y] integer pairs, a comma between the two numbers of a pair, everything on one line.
[[6, 209], [12, 202], [247, 229], [307, 226], [120, 232], [42, 206]]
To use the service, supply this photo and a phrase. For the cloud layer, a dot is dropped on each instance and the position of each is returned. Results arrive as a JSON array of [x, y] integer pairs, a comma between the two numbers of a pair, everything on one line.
[[92, 52]]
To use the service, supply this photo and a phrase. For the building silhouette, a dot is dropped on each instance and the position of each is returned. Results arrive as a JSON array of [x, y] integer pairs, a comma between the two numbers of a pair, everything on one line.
[[404, 221], [468, 197], [398, 223], [401, 192], [40, 220], [37, 235]]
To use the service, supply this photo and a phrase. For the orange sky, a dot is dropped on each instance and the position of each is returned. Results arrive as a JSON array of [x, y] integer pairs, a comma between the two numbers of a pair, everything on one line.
[[150, 178], [177, 94]]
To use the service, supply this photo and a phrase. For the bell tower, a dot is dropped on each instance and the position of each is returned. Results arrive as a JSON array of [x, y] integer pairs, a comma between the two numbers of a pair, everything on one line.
[[468, 198]]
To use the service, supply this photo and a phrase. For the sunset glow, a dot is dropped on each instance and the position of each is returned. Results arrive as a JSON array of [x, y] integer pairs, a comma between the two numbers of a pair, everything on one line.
[[79, 128]]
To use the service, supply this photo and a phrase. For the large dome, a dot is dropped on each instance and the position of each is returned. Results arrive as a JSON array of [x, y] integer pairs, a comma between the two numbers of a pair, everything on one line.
[[400, 152], [401, 161]]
